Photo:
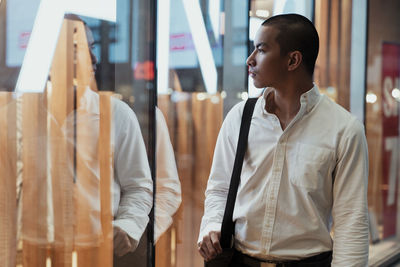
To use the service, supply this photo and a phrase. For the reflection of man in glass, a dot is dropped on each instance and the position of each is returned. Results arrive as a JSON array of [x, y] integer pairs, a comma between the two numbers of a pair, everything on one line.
[[132, 186], [168, 196]]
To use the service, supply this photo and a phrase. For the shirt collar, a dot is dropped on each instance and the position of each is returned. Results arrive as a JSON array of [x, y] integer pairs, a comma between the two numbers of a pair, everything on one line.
[[308, 99], [89, 102]]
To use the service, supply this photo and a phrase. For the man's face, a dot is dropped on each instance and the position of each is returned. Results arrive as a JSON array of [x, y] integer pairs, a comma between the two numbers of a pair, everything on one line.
[[90, 39], [266, 65]]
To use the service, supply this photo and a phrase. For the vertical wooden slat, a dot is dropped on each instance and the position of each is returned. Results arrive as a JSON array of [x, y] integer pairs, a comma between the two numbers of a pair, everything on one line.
[[334, 44], [322, 25], [345, 54], [34, 215], [60, 132], [106, 178], [201, 169], [185, 162], [8, 159], [87, 189], [93, 164]]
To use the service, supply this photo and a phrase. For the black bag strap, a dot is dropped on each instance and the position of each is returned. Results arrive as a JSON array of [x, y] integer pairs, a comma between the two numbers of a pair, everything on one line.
[[228, 226]]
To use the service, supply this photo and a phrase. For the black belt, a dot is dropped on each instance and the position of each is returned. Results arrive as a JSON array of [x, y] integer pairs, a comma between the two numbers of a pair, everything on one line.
[[321, 260]]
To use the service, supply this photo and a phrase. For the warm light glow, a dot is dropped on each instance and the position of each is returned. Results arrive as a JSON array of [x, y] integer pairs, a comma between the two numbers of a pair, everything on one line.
[[48, 262], [262, 13], [396, 93], [244, 95], [371, 98], [201, 44], [215, 99], [74, 259], [201, 96], [223, 94]]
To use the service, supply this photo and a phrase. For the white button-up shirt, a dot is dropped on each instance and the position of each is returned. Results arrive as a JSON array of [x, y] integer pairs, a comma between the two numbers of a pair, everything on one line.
[[296, 185]]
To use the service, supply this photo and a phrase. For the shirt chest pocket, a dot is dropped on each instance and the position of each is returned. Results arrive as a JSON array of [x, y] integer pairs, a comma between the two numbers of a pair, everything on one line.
[[312, 166]]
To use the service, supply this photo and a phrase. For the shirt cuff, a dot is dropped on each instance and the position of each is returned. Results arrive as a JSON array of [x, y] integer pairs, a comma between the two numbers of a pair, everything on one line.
[[130, 228]]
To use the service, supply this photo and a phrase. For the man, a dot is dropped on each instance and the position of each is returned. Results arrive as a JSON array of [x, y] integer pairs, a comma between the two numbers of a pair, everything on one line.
[[168, 197], [306, 167], [132, 184]]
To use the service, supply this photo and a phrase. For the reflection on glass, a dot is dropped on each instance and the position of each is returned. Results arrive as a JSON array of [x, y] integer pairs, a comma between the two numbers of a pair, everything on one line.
[[202, 48], [84, 186], [168, 192], [382, 128]]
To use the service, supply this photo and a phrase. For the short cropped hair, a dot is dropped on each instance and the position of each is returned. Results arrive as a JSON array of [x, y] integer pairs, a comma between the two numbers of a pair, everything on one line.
[[296, 33]]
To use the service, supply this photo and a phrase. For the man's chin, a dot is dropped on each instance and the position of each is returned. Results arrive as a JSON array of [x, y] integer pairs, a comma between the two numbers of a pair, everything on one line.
[[258, 85]]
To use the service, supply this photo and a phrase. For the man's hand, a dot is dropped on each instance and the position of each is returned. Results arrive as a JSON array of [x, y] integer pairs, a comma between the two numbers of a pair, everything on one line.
[[122, 242], [210, 247]]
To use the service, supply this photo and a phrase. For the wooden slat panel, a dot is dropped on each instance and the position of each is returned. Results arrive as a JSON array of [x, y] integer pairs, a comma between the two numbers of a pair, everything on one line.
[[345, 54], [334, 44], [34, 138], [94, 153], [60, 106], [8, 159], [101, 254], [322, 25], [185, 162], [87, 193], [106, 178]]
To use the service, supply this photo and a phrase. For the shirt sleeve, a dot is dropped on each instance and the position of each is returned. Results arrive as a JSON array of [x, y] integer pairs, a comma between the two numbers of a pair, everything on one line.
[[350, 209], [132, 172], [168, 192], [221, 171]]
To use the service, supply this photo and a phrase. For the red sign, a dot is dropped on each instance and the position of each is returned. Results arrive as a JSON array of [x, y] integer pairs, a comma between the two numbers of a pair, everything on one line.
[[144, 71], [23, 40], [390, 134], [181, 42]]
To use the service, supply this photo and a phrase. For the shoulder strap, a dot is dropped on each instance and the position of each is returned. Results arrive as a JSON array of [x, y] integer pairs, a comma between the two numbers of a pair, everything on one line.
[[227, 229]]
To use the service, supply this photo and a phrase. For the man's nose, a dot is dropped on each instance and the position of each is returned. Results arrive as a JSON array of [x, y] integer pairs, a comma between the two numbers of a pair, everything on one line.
[[250, 60]]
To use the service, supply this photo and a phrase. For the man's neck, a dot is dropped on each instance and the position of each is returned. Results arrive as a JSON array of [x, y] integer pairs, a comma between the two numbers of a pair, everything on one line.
[[285, 101]]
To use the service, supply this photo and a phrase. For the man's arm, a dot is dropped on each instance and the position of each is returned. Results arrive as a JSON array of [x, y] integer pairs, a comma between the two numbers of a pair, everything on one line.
[[133, 174], [168, 192], [350, 209], [218, 184]]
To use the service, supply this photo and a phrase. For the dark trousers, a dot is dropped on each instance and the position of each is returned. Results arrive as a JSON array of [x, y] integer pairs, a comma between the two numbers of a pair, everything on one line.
[[321, 260]]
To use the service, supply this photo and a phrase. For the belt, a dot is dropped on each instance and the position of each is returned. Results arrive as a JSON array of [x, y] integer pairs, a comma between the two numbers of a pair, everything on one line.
[[321, 260]]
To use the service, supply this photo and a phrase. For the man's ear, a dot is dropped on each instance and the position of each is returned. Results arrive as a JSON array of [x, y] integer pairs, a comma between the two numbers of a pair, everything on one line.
[[294, 61]]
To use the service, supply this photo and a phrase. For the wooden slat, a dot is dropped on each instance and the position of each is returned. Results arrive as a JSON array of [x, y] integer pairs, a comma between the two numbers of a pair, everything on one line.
[[106, 179], [345, 54], [60, 107], [87, 190], [34, 214], [8, 159], [322, 26], [94, 224], [185, 162], [334, 44]]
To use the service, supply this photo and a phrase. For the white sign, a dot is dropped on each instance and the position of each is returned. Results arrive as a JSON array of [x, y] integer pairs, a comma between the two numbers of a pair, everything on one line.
[[20, 18]]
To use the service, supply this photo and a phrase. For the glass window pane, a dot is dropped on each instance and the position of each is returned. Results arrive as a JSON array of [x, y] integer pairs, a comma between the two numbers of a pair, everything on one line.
[[202, 49], [77, 99]]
